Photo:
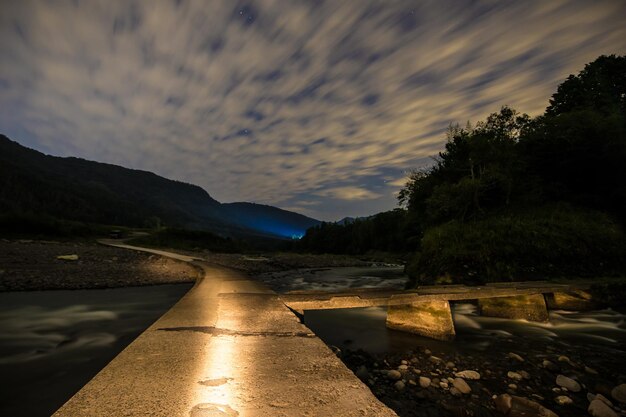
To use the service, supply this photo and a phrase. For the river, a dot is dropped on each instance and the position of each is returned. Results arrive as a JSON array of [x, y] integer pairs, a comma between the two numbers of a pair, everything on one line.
[[53, 342]]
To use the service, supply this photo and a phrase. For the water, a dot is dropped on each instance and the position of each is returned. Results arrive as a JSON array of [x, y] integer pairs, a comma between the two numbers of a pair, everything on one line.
[[364, 328], [53, 342]]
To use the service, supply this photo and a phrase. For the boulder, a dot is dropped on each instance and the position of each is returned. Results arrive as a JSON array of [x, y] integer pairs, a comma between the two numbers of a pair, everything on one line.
[[467, 374], [569, 383], [598, 408], [619, 393], [461, 385]]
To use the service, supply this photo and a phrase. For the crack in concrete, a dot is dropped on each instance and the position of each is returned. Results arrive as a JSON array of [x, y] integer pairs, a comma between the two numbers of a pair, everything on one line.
[[216, 331]]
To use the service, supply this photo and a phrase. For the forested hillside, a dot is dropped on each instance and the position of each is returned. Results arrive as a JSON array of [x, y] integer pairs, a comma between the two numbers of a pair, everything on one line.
[[513, 197]]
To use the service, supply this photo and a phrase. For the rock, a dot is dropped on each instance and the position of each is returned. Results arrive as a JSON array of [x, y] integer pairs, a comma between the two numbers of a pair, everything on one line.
[[619, 393], [403, 368], [393, 374], [467, 375], [68, 257], [524, 374], [362, 373], [412, 382], [512, 386], [514, 375], [515, 356], [455, 392], [598, 408], [403, 362], [443, 384], [450, 365], [521, 406], [550, 366], [434, 359], [503, 403], [591, 371], [569, 383], [399, 385], [427, 352], [461, 385], [424, 382], [563, 400]]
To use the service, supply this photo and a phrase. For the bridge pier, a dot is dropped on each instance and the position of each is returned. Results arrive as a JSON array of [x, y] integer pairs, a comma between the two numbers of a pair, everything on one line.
[[530, 307], [577, 300], [426, 318]]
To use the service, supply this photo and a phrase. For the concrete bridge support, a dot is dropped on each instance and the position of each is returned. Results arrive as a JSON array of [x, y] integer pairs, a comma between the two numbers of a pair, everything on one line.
[[530, 307], [426, 318], [576, 300]]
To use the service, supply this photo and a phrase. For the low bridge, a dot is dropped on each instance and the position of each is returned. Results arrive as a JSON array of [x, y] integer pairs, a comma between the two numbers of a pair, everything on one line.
[[426, 310]]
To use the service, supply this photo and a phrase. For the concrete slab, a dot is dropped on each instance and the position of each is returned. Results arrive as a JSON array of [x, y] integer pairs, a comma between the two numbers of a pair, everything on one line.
[[225, 354]]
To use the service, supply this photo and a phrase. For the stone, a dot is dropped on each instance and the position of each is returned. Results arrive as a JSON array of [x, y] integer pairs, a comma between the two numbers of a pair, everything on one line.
[[524, 374], [512, 386], [393, 374], [443, 384], [529, 307], [449, 365], [514, 375], [515, 356], [563, 400], [362, 373], [424, 382], [455, 392], [68, 257], [591, 371], [521, 406], [434, 359], [569, 383], [399, 385], [549, 365], [426, 318], [619, 393], [403, 368], [598, 408], [503, 403], [461, 385], [467, 374]]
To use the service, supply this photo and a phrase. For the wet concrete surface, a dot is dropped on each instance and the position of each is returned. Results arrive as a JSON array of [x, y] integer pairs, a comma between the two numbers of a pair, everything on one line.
[[229, 347]]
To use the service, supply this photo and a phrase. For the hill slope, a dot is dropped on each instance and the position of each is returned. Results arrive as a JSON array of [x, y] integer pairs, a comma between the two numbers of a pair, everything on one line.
[[78, 189]]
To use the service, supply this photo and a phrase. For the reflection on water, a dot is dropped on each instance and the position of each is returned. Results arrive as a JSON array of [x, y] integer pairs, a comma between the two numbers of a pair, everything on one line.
[[53, 342]]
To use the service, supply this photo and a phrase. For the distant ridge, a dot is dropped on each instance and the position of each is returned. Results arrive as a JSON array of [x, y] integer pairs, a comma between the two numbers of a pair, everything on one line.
[[78, 189]]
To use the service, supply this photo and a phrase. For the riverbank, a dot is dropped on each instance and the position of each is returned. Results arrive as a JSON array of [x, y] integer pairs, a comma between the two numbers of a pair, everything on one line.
[[555, 375], [27, 265], [31, 265]]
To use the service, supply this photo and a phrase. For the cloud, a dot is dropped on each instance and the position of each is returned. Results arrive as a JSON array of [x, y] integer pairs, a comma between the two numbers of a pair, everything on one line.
[[273, 101], [348, 193]]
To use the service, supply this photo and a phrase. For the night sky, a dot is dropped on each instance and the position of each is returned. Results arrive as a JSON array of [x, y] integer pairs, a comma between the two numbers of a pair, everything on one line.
[[319, 107]]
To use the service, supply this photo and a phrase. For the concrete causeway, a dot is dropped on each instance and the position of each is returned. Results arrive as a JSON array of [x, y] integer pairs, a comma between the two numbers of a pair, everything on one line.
[[228, 348]]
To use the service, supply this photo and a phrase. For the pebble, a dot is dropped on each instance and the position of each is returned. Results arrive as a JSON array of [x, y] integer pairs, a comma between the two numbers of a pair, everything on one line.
[[443, 384], [461, 385], [513, 386], [450, 365], [399, 385], [467, 374], [549, 365], [569, 383], [393, 374], [515, 356], [403, 362], [403, 367], [619, 393], [455, 392], [434, 359], [591, 371], [563, 400], [514, 375], [524, 374], [598, 408], [424, 382]]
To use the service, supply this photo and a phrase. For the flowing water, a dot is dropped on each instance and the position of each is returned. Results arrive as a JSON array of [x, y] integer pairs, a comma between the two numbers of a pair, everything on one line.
[[53, 342], [364, 328]]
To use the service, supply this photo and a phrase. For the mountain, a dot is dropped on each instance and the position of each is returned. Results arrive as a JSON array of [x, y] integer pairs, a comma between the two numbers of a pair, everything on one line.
[[78, 189]]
